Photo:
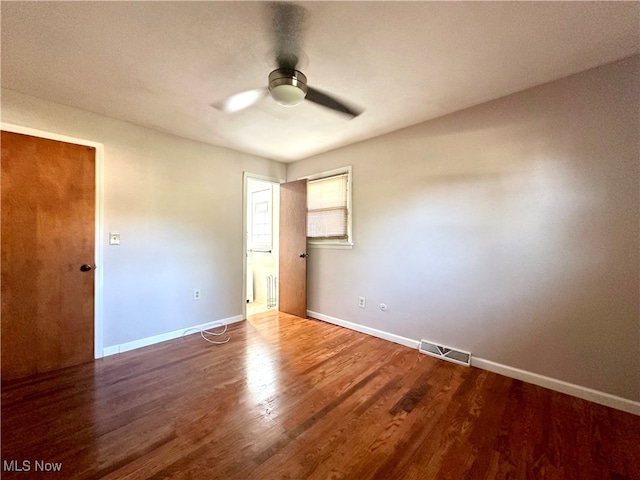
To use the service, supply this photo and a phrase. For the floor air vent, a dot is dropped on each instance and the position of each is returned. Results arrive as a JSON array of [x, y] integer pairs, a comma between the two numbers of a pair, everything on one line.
[[445, 353]]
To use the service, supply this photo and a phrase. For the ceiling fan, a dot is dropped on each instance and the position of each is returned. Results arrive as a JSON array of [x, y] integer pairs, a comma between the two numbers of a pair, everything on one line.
[[287, 85]]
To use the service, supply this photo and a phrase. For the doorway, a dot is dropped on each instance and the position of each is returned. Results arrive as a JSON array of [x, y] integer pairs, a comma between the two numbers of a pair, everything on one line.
[[262, 237]]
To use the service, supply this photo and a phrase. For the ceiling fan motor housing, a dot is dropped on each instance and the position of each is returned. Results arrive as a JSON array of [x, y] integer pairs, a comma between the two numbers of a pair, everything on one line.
[[287, 86]]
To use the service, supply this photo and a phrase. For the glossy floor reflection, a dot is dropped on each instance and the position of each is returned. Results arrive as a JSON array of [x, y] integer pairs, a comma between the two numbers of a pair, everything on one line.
[[296, 398]]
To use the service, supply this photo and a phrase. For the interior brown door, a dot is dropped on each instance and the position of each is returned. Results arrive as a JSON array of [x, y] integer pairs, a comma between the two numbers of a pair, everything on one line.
[[48, 229], [293, 248]]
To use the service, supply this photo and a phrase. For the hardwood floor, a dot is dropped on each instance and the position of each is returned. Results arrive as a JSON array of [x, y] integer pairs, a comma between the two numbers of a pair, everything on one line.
[[290, 398]]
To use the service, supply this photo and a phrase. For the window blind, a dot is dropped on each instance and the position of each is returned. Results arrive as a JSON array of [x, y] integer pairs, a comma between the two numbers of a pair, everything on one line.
[[327, 208]]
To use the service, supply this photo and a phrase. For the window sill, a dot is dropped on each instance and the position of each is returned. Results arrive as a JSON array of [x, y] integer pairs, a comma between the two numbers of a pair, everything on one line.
[[334, 245]]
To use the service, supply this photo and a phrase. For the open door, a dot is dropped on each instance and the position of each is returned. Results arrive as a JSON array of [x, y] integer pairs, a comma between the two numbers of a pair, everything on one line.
[[48, 233], [293, 248]]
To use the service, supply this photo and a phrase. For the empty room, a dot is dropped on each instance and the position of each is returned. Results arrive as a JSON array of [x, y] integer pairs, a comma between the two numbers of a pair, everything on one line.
[[320, 240]]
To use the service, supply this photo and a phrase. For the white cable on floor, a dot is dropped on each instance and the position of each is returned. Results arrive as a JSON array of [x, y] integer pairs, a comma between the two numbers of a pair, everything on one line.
[[204, 331]]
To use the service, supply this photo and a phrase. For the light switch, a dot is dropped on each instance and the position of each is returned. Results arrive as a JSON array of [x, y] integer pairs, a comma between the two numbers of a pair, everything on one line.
[[114, 238]]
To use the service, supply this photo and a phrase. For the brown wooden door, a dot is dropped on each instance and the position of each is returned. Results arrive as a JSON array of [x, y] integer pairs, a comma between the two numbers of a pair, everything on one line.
[[48, 229], [293, 248]]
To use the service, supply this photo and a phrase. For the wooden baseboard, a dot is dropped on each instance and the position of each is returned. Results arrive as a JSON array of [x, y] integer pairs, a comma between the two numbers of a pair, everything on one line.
[[144, 342], [579, 391]]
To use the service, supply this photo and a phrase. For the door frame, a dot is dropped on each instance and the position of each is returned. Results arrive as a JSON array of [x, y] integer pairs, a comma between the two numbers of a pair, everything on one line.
[[245, 186], [98, 342]]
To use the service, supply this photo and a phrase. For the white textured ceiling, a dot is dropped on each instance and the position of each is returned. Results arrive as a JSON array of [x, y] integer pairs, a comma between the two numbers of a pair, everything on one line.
[[162, 64]]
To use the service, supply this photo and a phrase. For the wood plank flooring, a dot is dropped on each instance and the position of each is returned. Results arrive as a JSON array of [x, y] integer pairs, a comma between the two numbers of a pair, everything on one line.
[[292, 398]]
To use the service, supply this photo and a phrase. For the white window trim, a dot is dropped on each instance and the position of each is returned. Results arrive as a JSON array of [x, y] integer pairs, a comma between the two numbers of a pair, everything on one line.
[[335, 244]]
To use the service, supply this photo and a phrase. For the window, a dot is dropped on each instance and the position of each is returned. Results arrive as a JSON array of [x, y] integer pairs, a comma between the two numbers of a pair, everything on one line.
[[328, 208], [260, 224]]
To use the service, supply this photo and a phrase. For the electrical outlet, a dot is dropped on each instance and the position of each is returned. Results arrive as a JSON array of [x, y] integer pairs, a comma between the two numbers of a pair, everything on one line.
[[361, 302], [196, 294]]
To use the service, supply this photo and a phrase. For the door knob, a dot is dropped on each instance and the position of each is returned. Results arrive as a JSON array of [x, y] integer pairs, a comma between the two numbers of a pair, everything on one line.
[[304, 255], [85, 268]]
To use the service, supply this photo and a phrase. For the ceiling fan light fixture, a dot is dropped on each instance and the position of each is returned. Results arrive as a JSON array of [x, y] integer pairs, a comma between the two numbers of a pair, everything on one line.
[[288, 87]]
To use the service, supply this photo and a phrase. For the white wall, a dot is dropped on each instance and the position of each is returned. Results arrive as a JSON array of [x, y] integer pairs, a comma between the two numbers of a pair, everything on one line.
[[178, 207], [509, 229]]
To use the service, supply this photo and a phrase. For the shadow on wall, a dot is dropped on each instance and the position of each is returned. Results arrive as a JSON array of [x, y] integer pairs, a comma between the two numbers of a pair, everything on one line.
[[522, 263], [509, 230]]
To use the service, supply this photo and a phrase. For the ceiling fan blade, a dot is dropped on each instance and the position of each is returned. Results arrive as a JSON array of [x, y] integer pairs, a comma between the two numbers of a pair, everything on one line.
[[287, 28], [241, 100], [325, 100]]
